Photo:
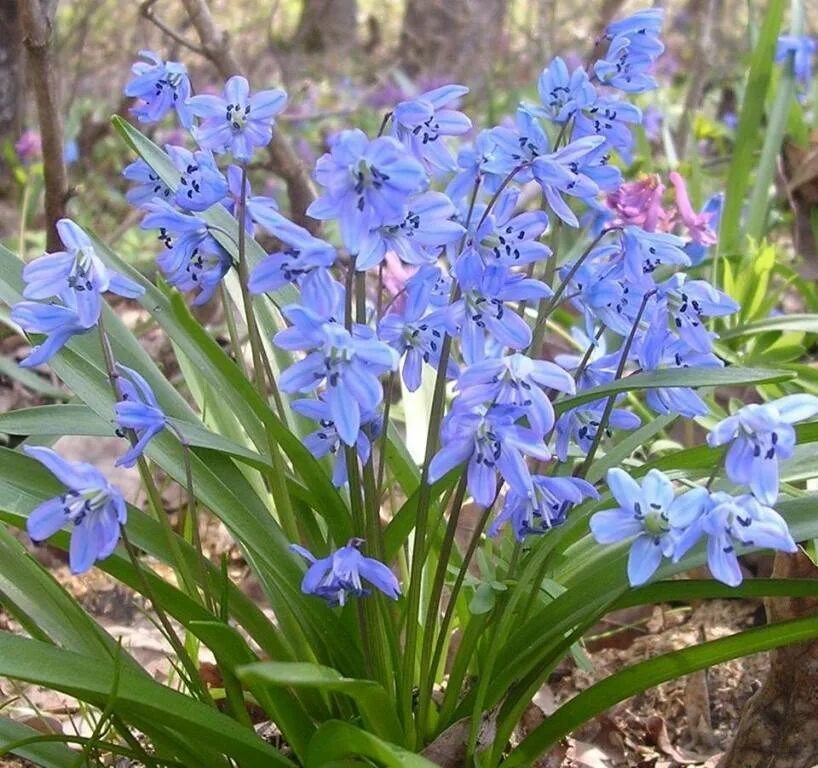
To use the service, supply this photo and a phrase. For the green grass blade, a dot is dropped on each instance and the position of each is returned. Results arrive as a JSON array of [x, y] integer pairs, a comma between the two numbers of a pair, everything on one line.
[[639, 677]]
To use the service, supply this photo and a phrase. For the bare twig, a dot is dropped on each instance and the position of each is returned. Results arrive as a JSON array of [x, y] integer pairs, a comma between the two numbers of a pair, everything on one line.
[[283, 160], [146, 9], [37, 24]]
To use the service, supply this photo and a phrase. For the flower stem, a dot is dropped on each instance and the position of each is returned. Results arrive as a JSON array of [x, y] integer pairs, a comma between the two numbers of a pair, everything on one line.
[[609, 405], [433, 608]]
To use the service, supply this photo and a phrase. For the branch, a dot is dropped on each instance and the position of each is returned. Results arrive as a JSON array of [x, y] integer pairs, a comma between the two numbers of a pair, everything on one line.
[[37, 26], [283, 160], [146, 9]]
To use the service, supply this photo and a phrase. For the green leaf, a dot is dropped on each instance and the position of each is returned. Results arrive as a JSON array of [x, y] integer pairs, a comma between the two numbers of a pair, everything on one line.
[[45, 755], [676, 377], [51, 420], [805, 323], [709, 589], [639, 677], [376, 708], [335, 740], [139, 699], [30, 380], [44, 607], [748, 130], [233, 653]]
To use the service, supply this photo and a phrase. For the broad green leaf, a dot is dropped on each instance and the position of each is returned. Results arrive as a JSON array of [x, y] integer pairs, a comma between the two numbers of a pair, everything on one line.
[[139, 699], [675, 377], [639, 677], [45, 755], [377, 710], [335, 740]]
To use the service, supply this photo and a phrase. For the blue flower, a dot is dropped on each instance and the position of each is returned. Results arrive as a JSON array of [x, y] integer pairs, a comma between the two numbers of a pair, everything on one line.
[[634, 46], [687, 303], [148, 184], [802, 49], [236, 121], [326, 439], [60, 323], [760, 435], [201, 183], [348, 363], [182, 235], [160, 86], [301, 254], [545, 509], [482, 161], [491, 441], [612, 119], [561, 172], [561, 93], [76, 275], [427, 225], [726, 520], [94, 507], [366, 184], [649, 513], [417, 335], [581, 425], [662, 350], [137, 409], [259, 208], [519, 146], [340, 575], [506, 237], [420, 124], [646, 251], [481, 315], [516, 380]]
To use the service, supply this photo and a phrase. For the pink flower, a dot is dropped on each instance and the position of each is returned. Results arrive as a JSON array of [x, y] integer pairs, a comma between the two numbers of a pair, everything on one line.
[[698, 224], [640, 203], [29, 146]]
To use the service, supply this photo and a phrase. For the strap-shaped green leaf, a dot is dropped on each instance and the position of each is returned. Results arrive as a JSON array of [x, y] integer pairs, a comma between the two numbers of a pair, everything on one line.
[[91, 679], [676, 377], [45, 755], [376, 708], [336, 740], [639, 677]]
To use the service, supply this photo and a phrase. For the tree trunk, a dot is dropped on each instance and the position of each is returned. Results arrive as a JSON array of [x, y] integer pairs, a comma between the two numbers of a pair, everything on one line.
[[327, 26], [456, 39], [10, 72], [779, 725], [38, 19]]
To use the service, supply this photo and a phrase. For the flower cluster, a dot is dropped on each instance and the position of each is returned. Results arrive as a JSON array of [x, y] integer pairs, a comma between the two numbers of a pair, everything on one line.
[[440, 269]]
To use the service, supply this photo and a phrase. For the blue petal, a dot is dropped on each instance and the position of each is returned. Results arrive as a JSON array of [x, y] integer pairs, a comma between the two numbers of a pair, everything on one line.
[[643, 559]]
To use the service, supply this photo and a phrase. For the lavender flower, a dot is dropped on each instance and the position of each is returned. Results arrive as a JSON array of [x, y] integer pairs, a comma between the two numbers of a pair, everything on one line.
[[366, 184], [139, 410], [649, 513], [543, 510], [76, 275], [726, 520], [340, 575], [421, 123], [59, 322], [236, 121], [160, 86], [201, 183], [561, 93], [148, 184], [91, 504], [760, 435], [491, 441]]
